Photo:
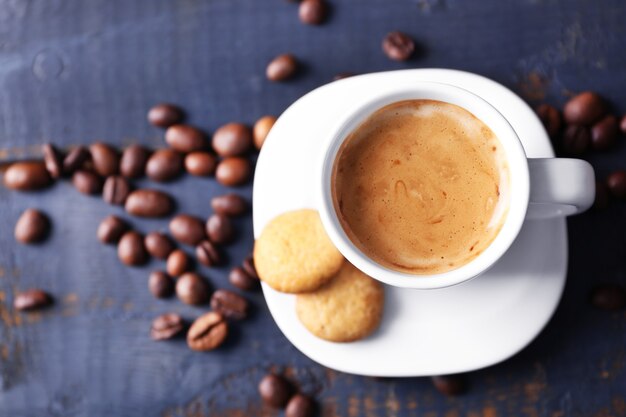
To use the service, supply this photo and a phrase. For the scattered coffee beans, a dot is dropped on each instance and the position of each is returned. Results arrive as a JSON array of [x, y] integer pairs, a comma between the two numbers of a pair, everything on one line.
[[116, 190], [313, 12], [232, 139], [604, 133], [242, 280], [622, 124], [584, 109], [207, 332], [601, 200], [185, 138], [133, 161], [177, 263], [87, 182], [208, 254], [275, 390], [32, 299], [233, 171], [398, 46], [282, 68], [610, 297], [300, 406], [158, 245], [576, 139], [450, 384], [149, 203], [131, 250], [165, 115], [111, 229], [551, 119], [229, 304], [229, 205], [187, 229], [27, 176], [106, 160], [160, 284], [192, 289], [164, 165], [32, 227], [219, 229], [75, 159], [53, 160], [261, 128], [201, 164], [167, 326], [248, 266], [616, 182]]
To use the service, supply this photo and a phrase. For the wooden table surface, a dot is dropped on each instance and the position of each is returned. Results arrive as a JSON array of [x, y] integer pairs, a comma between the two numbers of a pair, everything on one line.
[[73, 71]]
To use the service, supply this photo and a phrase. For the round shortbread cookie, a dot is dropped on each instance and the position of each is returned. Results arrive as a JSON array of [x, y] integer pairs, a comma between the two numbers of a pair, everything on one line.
[[347, 308], [294, 254]]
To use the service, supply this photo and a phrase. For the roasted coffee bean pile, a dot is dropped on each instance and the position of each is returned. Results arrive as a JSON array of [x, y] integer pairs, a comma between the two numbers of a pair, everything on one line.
[[584, 125], [102, 169], [277, 392]]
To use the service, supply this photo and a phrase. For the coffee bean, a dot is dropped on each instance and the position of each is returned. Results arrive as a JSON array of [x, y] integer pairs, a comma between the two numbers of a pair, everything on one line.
[[192, 289], [313, 12], [604, 133], [167, 326], [187, 229], [116, 190], [53, 160], [208, 332], [584, 109], [300, 406], [75, 159], [232, 139], [201, 164], [160, 284], [261, 128], [275, 391], [149, 203], [111, 229], [551, 119], [616, 182], [106, 160], [208, 254], [233, 171], [602, 196], [178, 263], [87, 182], [242, 280], [185, 138], [576, 139], [610, 297], [165, 115], [32, 299], [229, 205], [134, 160], [622, 124], [398, 46], [158, 245], [229, 304], [282, 68], [27, 176], [131, 250], [450, 384], [32, 227], [164, 165], [248, 266], [219, 229], [343, 75]]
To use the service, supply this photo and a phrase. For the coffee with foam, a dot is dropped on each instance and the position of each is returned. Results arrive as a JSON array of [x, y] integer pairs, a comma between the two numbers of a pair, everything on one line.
[[421, 186]]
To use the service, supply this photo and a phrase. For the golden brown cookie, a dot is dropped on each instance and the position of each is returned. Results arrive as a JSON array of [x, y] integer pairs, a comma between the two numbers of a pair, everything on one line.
[[294, 254], [349, 307]]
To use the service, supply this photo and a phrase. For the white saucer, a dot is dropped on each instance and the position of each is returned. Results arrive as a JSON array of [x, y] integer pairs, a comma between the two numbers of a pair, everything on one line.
[[458, 329]]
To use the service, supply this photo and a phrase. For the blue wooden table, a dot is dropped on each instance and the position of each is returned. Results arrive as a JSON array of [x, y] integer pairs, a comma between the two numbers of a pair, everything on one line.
[[73, 71]]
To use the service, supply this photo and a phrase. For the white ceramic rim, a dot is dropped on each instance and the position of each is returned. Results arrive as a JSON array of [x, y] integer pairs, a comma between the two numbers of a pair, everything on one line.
[[518, 176]]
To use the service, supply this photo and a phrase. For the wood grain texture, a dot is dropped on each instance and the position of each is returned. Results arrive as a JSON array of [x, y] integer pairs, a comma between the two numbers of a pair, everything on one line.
[[74, 71]]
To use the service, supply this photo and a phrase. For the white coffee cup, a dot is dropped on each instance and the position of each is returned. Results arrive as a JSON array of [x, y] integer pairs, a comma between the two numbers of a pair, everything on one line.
[[539, 188]]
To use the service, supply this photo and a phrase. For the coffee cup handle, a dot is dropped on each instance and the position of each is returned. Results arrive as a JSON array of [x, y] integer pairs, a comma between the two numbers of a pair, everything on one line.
[[559, 187]]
